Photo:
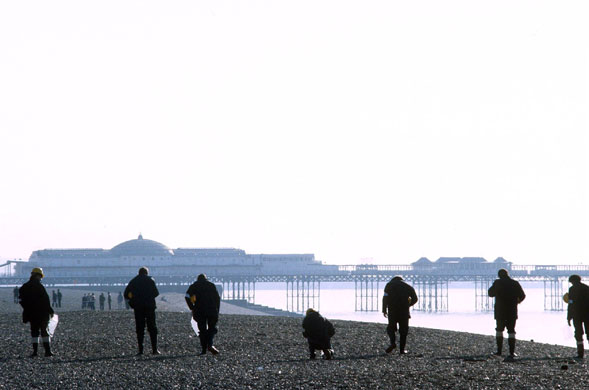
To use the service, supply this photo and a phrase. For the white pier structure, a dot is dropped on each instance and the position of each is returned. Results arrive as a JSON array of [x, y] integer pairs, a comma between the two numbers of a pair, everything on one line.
[[238, 272]]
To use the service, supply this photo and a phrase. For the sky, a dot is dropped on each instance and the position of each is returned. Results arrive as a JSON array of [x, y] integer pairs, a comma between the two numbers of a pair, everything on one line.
[[360, 131]]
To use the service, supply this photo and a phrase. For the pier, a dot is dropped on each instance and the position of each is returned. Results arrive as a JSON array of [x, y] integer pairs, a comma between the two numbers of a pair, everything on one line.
[[303, 291]]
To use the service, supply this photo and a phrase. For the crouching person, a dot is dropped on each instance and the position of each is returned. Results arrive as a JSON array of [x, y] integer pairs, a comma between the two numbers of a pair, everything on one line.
[[318, 332]]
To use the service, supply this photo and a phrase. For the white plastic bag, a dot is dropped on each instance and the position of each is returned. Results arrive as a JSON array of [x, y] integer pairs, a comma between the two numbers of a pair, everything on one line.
[[194, 325], [52, 324]]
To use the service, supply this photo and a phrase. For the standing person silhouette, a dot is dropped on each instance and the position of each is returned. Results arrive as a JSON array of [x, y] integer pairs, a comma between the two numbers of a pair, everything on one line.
[[578, 310], [37, 310], [508, 293], [141, 293]]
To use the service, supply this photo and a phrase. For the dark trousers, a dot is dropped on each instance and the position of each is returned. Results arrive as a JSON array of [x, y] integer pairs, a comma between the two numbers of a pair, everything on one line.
[[579, 324], [39, 327], [319, 344], [403, 327], [508, 323], [207, 328], [145, 316]]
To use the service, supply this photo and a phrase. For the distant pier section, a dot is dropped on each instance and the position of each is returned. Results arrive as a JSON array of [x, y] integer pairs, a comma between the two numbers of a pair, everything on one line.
[[238, 273]]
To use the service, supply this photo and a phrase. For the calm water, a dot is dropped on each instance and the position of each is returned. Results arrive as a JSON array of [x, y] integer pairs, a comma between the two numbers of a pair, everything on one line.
[[337, 302]]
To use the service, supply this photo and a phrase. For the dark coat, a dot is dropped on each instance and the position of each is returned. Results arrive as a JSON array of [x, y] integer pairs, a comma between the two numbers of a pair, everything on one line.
[[318, 330], [141, 292], [35, 301], [578, 308], [203, 299], [508, 294], [398, 298]]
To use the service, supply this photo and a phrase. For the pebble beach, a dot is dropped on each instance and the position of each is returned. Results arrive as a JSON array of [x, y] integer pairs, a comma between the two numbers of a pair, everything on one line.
[[96, 350]]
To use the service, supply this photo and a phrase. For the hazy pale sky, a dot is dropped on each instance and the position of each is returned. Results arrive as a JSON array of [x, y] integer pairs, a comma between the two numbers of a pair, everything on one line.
[[361, 131]]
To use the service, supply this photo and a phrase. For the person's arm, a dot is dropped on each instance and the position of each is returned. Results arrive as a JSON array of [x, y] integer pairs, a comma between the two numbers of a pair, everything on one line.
[[385, 303], [21, 298], [413, 297], [492, 291], [330, 328], [190, 299], [155, 290], [128, 294], [217, 298], [521, 295], [46, 301]]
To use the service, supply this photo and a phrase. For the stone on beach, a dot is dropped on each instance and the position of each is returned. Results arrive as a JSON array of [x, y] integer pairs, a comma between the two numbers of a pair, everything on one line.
[[96, 350]]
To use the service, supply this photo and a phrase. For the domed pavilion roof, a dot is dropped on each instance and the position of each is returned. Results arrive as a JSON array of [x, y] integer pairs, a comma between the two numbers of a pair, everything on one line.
[[141, 247]]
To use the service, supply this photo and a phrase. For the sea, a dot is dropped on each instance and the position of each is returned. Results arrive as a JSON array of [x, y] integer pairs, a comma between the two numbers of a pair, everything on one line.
[[336, 301]]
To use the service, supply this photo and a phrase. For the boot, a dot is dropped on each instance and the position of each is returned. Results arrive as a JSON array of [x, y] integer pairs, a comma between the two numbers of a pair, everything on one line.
[[47, 347], [499, 346], [154, 349], [327, 354], [140, 344], [402, 343], [203, 343], [580, 350], [511, 346], [393, 345], [35, 349]]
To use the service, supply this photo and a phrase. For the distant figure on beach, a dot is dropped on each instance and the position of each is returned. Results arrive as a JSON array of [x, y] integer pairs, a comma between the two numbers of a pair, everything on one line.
[[508, 294], [37, 310], [53, 298], [141, 293], [59, 296], [101, 300], [578, 310], [318, 331], [15, 293], [109, 300], [204, 301], [397, 299], [92, 301], [120, 300]]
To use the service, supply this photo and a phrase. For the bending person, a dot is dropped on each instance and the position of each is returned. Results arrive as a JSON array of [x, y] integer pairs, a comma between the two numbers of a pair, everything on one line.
[[204, 301], [318, 332], [397, 299]]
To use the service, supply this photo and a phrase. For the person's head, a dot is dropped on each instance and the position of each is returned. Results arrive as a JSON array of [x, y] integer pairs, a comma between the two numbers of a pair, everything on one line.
[[37, 272], [201, 277], [143, 271], [503, 273], [574, 279], [398, 277], [310, 311]]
